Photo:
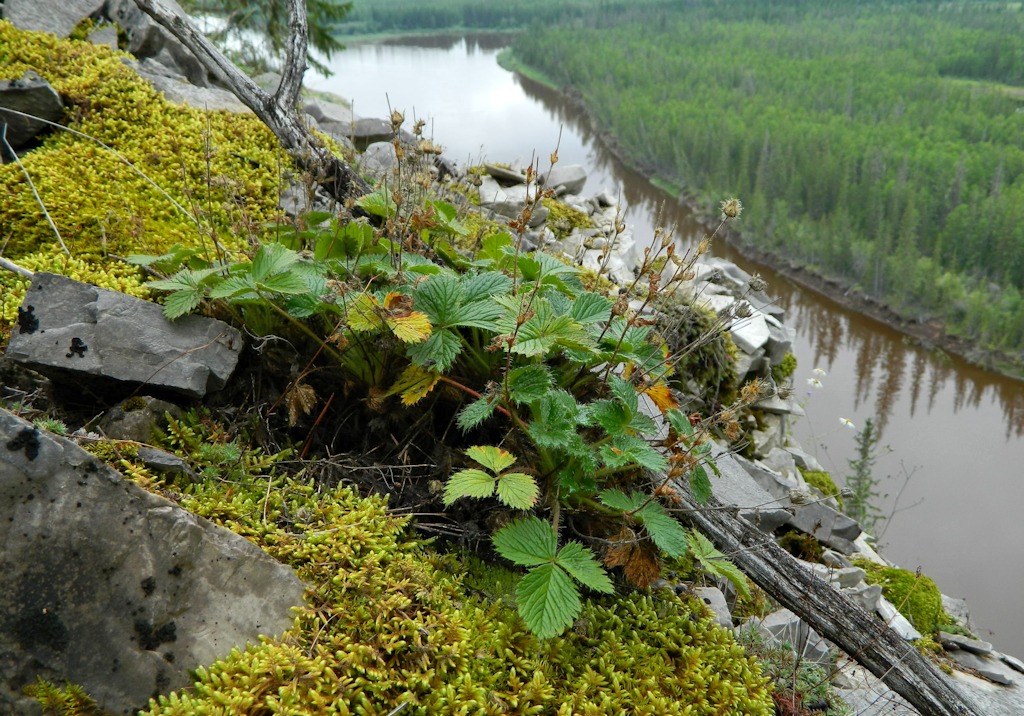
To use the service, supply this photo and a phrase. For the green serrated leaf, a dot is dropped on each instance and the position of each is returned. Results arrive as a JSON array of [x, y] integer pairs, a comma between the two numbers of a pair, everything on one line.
[[714, 562], [529, 383], [468, 483], [479, 314], [700, 485], [439, 351], [477, 287], [379, 203], [591, 308], [286, 283], [527, 542], [181, 302], [476, 412], [548, 600], [618, 500], [611, 415], [271, 259], [236, 286], [493, 458], [667, 533], [439, 297], [625, 392], [580, 562], [517, 490]]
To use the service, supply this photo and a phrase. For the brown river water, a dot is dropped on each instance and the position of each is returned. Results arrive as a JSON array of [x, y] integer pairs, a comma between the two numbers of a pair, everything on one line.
[[951, 460]]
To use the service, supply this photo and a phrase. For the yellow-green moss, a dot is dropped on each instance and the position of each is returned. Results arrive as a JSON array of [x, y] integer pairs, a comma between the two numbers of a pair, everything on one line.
[[221, 166], [914, 595], [563, 218], [822, 481], [785, 369]]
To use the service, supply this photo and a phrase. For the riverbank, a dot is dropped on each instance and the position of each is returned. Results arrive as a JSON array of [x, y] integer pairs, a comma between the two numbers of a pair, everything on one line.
[[930, 334]]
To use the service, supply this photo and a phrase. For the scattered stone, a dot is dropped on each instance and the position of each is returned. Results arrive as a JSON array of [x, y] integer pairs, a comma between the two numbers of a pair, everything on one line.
[[80, 330], [835, 559], [137, 418], [165, 463], [715, 601], [804, 460], [785, 627], [1011, 661], [105, 35], [366, 130], [571, 179], [503, 174], [734, 487], [958, 611], [866, 596], [327, 112], [828, 525], [378, 159], [146, 39], [780, 339], [58, 18], [113, 588], [952, 642], [751, 333], [33, 95], [992, 669], [896, 621], [182, 92]]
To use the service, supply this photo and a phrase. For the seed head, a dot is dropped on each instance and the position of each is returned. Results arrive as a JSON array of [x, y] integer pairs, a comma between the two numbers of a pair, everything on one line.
[[731, 208]]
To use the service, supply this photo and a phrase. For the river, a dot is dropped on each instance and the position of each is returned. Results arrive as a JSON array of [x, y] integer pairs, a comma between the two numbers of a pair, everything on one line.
[[953, 476]]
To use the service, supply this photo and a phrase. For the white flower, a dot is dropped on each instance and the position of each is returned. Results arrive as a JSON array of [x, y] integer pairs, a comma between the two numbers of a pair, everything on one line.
[[847, 423], [819, 372], [814, 382]]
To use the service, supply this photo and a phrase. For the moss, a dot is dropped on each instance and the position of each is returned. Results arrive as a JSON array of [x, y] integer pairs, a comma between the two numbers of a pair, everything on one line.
[[785, 369], [913, 594], [707, 352], [564, 219], [801, 545], [822, 481], [222, 166]]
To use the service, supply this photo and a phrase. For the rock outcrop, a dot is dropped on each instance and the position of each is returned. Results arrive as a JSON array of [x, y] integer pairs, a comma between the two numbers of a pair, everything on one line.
[[113, 588]]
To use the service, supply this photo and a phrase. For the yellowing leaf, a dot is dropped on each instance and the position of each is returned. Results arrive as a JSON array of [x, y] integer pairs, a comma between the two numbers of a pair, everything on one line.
[[661, 395], [413, 327], [414, 384], [364, 314], [493, 458]]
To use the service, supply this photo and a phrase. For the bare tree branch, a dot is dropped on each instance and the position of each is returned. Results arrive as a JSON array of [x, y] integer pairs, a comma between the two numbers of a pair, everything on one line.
[[279, 111], [832, 614]]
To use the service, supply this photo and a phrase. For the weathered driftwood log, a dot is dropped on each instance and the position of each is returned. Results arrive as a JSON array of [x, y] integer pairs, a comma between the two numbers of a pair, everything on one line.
[[279, 111], [830, 613]]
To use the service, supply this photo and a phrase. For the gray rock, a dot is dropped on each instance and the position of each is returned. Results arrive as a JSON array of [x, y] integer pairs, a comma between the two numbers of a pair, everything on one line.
[[785, 627], [71, 330], [952, 642], [572, 178], [866, 596], [803, 459], [146, 39], [715, 601], [113, 588], [835, 559], [729, 272], [896, 621], [503, 175], [844, 577], [30, 95], [188, 94], [734, 486], [1012, 661], [958, 611], [366, 130], [53, 16], [992, 669], [105, 35], [137, 418], [745, 362], [323, 111], [378, 159], [776, 484], [750, 333], [780, 339], [165, 463], [829, 526]]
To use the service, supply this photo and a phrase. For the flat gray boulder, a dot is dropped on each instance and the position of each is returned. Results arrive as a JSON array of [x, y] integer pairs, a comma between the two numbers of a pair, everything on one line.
[[71, 330], [58, 17], [32, 95], [571, 178], [113, 588]]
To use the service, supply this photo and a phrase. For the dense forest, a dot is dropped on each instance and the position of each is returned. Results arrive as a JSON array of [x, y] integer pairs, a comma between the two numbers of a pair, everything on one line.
[[878, 143], [397, 16]]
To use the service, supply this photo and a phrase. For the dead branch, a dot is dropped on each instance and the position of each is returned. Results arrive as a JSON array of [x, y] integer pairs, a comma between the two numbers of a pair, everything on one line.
[[279, 111], [830, 613]]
